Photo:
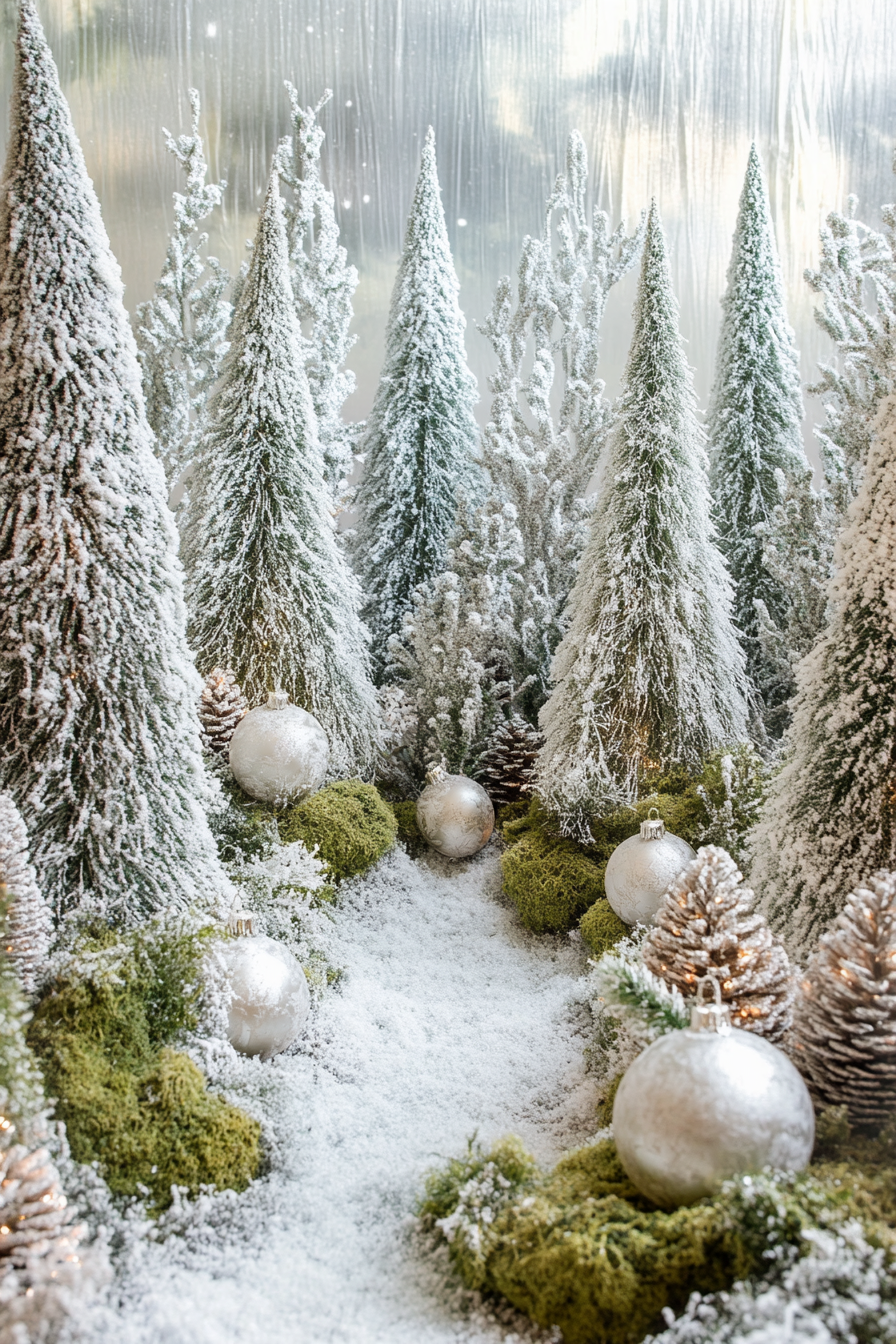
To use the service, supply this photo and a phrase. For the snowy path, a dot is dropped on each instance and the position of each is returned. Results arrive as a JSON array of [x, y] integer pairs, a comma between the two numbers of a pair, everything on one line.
[[450, 1019]]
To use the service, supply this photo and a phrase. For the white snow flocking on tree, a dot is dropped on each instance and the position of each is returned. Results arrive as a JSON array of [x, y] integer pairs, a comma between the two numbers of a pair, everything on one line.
[[649, 671], [323, 284], [421, 436], [541, 463], [29, 919], [182, 330], [754, 435], [829, 818], [270, 595], [99, 743]]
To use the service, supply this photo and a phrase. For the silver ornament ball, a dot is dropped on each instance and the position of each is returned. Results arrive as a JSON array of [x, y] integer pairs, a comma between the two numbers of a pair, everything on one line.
[[454, 814], [279, 752], [705, 1104], [642, 867], [269, 1001]]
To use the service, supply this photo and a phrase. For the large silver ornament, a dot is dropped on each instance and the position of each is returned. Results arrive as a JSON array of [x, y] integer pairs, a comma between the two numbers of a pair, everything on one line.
[[454, 814], [705, 1104], [268, 994], [278, 752], [641, 868]]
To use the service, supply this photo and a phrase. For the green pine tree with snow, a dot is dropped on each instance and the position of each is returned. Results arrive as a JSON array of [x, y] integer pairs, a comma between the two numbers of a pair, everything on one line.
[[755, 438], [830, 818], [421, 435], [649, 671], [270, 594], [99, 743], [182, 330]]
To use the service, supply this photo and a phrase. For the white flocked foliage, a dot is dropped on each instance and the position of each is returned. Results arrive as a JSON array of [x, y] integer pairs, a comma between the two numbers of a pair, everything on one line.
[[182, 330], [829, 818], [323, 284], [649, 671], [421, 436], [29, 918], [755, 437], [99, 743], [271, 597]]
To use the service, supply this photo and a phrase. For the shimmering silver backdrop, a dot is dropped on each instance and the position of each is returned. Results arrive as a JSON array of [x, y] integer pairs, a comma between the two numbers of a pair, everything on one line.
[[667, 94]]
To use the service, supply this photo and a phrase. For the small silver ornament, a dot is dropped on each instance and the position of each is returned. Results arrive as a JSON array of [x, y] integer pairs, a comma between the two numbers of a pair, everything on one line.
[[705, 1104], [454, 814], [269, 1001], [278, 752], [641, 868]]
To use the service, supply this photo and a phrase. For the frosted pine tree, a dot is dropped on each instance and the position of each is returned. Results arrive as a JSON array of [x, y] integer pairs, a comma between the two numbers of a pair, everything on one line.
[[271, 597], [323, 284], [856, 279], [99, 744], [452, 652], [829, 818], [540, 462], [421, 436], [181, 332], [649, 671], [754, 437], [29, 919]]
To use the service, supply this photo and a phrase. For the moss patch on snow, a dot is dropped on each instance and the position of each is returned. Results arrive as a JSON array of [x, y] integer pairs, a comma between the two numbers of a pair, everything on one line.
[[130, 1102], [351, 825]]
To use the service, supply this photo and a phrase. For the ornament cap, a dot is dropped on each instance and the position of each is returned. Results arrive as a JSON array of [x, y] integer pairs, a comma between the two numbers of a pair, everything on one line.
[[277, 700], [653, 828], [714, 1017], [435, 774]]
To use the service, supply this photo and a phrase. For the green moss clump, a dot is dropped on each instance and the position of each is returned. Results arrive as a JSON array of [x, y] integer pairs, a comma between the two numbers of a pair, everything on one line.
[[550, 881], [130, 1103], [601, 928], [349, 822], [581, 1249], [405, 814]]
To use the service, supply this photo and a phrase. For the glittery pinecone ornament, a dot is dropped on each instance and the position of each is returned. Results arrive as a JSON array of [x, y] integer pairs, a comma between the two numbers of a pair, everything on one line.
[[29, 920], [845, 1014], [506, 767], [707, 924], [36, 1231], [220, 709]]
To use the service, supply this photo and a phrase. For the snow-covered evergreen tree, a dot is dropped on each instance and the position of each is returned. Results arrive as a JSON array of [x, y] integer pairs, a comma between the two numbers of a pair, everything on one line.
[[754, 435], [455, 635], [270, 595], [649, 670], [181, 332], [856, 278], [99, 744], [829, 818], [540, 463], [421, 436], [29, 919], [323, 284]]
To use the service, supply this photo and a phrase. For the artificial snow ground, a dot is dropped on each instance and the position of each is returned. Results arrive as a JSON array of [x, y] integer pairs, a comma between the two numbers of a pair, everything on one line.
[[449, 1020]]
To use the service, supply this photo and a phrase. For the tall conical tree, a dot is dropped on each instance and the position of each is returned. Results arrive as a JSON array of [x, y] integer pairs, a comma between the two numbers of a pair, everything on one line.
[[754, 430], [831, 814], [649, 671], [421, 434], [270, 594], [99, 743]]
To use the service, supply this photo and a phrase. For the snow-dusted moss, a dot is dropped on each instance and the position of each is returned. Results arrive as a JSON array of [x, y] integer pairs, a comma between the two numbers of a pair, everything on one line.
[[348, 823]]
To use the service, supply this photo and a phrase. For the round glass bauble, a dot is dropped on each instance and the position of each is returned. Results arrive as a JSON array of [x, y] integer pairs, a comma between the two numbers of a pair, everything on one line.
[[698, 1107], [454, 814], [278, 752], [639, 871], [268, 1001]]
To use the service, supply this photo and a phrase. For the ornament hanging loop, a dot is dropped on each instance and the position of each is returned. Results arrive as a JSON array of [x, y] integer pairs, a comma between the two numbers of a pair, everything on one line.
[[716, 1016], [653, 828]]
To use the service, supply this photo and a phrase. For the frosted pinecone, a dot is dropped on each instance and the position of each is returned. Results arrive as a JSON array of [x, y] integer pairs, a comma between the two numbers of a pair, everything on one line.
[[506, 767], [220, 709], [29, 923], [36, 1231]]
